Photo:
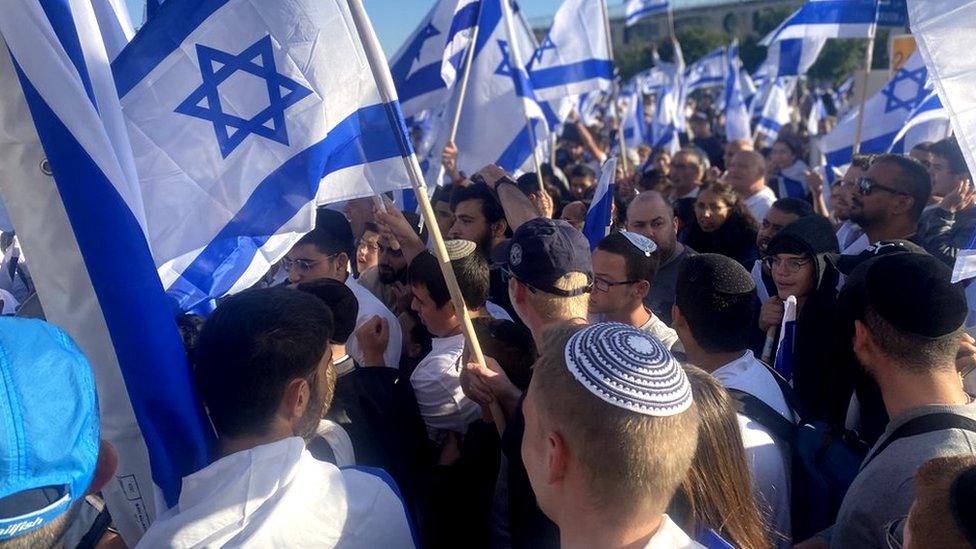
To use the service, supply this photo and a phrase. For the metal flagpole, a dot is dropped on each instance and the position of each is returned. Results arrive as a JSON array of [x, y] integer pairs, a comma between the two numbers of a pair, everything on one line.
[[384, 83], [614, 92], [671, 23], [515, 64], [869, 60]]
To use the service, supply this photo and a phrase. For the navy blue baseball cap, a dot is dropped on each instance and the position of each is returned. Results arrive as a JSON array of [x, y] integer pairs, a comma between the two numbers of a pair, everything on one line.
[[49, 432], [544, 250]]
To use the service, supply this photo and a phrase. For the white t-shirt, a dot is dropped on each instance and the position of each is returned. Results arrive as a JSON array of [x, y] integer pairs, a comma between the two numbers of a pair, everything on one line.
[[760, 203], [436, 383], [669, 535], [278, 495], [370, 306], [767, 459]]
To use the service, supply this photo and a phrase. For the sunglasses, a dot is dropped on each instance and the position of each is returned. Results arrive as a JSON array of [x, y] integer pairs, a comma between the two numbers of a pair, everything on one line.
[[866, 186]]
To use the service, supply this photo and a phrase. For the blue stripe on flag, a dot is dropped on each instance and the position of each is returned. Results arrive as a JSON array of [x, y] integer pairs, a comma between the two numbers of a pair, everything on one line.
[[794, 188], [518, 151], [835, 12], [876, 145], [365, 136], [598, 218], [790, 53], [139, 319], [574, 72], [784, 355], [59, 15], [155, 42], [644, 12], [423, 80], [465, 18]]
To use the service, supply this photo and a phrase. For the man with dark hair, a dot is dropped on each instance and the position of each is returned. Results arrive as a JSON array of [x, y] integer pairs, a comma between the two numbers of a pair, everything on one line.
[[435, 380], [264, 371], [701, 128], [890, 197], [581, 182], [849, 234], [688, 169], [378, 412], [623, 273], [325, 252], [909, 347], [650, 214], [714, 311], [949, 225], [783, 212], [478, 218], [921, 152], [53, 456], [388, 281]]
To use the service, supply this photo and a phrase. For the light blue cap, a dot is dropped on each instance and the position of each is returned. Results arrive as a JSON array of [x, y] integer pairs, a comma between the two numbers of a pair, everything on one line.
[[49, 431]]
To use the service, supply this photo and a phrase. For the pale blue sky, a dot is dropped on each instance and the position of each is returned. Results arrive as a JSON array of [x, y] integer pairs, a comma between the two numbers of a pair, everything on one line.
[[395, 19]]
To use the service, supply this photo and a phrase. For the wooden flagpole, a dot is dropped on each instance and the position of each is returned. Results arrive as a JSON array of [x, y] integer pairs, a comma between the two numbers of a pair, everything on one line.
[[863, 96], [384, 83]]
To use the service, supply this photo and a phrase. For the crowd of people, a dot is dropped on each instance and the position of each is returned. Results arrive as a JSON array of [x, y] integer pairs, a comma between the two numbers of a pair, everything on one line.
[[752, 357]]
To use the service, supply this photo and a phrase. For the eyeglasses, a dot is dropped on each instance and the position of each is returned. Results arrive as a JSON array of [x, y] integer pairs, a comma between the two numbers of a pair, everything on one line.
[[865, 186], [304, 265], [604, 285], [894, 533], [790, 265]]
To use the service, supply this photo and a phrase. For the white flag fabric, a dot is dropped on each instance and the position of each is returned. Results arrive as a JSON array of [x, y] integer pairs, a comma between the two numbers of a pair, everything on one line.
[[817, 113], [639, 9], [596, 224], [493, 128], [709, 71], [942, 29], [776, 112], [114, 23], [84, 230], [885, 113], [793, 56], [828, 19], [244, 121], [432, 54], [929, 121], [736, 111], [633, 124], [574, 57]]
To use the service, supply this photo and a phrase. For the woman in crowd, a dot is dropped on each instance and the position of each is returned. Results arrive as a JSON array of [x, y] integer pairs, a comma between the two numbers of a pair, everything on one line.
[[723, 225], [717, 498], [788, 170], [797, 260]]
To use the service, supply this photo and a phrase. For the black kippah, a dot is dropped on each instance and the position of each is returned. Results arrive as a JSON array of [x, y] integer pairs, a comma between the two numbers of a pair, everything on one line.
[[716, 273], [913, 292]]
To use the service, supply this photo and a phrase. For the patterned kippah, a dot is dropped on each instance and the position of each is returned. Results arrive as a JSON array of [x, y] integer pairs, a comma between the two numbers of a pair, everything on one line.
[[641, 242], [629, 369], [459, 248]]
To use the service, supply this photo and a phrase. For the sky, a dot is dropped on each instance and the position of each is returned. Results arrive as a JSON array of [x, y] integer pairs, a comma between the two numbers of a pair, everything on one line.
[[394, 20]]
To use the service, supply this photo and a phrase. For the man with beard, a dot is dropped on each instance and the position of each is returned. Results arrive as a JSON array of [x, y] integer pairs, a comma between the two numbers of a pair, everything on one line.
[[264, 371], [649, 214], [849, 234], [783, 212], [888, 200], [480, 218]]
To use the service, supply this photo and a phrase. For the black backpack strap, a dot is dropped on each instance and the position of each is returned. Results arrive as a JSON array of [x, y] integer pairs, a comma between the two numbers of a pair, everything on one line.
[[925, 424], [762, 413], [788, 394]]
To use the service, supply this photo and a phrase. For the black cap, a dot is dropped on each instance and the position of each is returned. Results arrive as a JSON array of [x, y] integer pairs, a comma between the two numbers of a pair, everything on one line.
[[847, 263], [911, 291], [714, 273], [544, 250]]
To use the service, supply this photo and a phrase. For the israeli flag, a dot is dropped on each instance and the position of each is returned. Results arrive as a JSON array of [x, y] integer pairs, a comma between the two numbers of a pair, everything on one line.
[[942, 30], [634, 125], [596, 224], [817, 113], [114, 24], [787, 341], [493, 127], [736, 112], [885, 114], [707, 72], [929, 121], [793, 56], [574, 57], [664, 127], [832, 19], [640, 9], [426, 64], [776, 112], [84, 230]]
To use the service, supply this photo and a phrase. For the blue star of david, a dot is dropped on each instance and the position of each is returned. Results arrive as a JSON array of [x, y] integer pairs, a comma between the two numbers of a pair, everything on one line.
[[505, 67], [216, 67], [547, 45], [893, 101]]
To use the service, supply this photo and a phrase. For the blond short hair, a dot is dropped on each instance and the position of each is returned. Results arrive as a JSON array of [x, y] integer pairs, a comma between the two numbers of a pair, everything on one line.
[[551, 307], [633, 462]]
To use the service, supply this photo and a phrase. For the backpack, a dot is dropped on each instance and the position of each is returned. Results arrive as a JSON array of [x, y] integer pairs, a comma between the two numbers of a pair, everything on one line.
[[822, 459]]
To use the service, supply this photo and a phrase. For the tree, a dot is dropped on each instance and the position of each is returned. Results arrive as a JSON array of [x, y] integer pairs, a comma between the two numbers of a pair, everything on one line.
[[633, 57], [698, 40]]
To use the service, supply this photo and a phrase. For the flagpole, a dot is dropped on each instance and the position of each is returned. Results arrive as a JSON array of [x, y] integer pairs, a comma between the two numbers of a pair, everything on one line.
[[515, 64], [674, 37], [614, 90], [869, 60], [384, 83]]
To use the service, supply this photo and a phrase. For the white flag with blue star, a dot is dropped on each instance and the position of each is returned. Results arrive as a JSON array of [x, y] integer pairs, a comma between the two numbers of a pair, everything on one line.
[[709, 71], [574, 57], [243, 117], [885, 114]]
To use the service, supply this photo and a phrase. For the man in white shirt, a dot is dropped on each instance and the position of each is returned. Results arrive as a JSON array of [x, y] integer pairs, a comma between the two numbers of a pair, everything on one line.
[[436, 379], [325, 253], [747, 175], [263, 368], [624, 265], [714, 302], [605, 455]]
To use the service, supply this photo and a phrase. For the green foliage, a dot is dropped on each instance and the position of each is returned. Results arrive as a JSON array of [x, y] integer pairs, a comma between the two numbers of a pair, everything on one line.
[[838, 59], [633, 57], [698, 40]]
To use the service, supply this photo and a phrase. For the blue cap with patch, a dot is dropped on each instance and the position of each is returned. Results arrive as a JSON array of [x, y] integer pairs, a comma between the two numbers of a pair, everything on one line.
[[544, 250], [49, 431]]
